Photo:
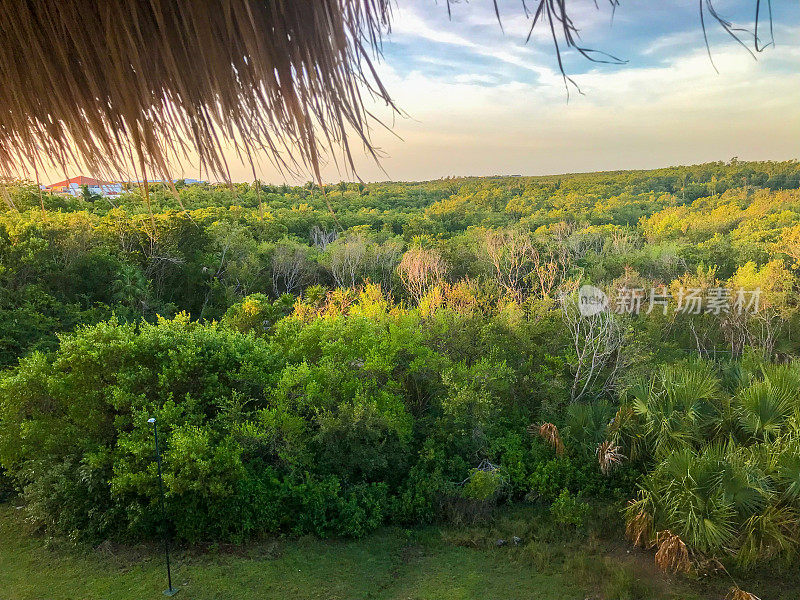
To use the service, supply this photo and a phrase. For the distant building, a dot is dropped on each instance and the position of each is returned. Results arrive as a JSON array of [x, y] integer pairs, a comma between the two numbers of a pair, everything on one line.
[[150, 181], [74, 187]]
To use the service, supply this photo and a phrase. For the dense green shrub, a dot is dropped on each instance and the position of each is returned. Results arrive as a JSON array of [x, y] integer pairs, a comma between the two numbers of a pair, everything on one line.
[[332, 421], [569, 510], [74, 431], [580, 474], [484, 484], [256, 435]]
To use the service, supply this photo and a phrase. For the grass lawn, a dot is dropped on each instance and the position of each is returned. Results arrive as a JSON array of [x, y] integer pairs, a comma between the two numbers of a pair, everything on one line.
[[431, 563]]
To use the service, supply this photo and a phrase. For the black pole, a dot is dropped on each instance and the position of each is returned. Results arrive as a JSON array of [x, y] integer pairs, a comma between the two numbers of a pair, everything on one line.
[[169, 591]]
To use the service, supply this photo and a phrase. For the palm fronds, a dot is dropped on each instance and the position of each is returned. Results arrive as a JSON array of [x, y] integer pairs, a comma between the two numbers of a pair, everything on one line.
[[608, 456], [686, 483], [726, 474], [626, 432], [743, 482], [587, 424], [678, 406], [788, 471], [672, 555], [639, 529], [146, 85], [768, 535], [549, 433], [766, 409]]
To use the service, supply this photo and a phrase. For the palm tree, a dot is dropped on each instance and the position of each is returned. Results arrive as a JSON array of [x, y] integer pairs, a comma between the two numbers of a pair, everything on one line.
[[130, 287], [587, 424], [678, 407], [726, 476]]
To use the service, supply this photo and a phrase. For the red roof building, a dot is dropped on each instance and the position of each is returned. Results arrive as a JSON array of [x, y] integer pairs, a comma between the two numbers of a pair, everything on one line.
[[74, 186]]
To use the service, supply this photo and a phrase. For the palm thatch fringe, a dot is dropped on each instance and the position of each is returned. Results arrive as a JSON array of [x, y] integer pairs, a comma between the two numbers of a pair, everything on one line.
[[97, 83]]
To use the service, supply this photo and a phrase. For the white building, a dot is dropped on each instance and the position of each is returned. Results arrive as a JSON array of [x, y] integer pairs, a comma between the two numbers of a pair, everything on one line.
[[74, 187]]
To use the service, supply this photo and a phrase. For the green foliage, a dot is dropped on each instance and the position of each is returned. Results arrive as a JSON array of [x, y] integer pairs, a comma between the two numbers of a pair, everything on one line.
[[579, 474], [724, 467], [76, 423], [6, 485], [587, 424], [569, 510], [256, 313], [301, 387], [257, 435], [81, 255], [483, 485]]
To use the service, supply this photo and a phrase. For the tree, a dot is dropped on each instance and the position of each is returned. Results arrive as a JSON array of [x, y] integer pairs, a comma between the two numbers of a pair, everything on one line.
[[130, 288], [512, 255], [321, 238], [348, 260], [384, 259], [598, 353], [88, 195], [521, 263], [291, 267], [762, 305], [421, 269]]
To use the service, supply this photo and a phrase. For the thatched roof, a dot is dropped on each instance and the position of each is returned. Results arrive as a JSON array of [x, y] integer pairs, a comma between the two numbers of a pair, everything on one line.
[[121, 85], [143, 85]]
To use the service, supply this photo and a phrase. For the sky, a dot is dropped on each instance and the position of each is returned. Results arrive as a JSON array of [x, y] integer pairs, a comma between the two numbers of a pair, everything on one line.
[[482, 101], [479, 100]]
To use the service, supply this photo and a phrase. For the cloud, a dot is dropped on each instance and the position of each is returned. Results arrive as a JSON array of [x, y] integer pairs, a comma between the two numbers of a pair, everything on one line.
[[413, 25], [477, 78], [646, 114]]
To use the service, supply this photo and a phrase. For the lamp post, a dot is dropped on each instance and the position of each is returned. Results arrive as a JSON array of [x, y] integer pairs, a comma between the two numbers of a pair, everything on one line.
[[170, 591]]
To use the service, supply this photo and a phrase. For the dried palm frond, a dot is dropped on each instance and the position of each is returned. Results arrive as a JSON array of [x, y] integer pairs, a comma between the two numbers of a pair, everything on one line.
[[639, 529], [737, 593], [144, 85], [608, 455], [672, 555], [549, 433]]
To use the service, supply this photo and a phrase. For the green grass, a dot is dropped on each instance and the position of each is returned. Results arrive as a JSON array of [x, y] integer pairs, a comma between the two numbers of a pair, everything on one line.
[[429, 564]]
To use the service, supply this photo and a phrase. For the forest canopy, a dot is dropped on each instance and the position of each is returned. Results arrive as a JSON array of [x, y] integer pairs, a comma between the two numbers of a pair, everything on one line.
[[421, 353]]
